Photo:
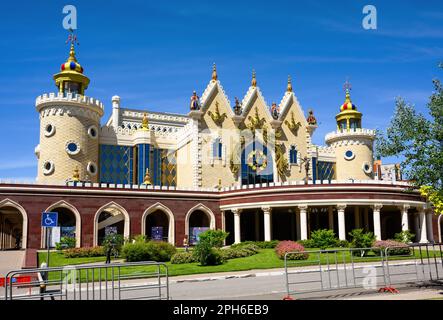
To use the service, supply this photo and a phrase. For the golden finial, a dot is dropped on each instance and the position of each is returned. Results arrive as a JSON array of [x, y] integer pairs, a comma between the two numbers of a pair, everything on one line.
[[76, 175], [254, 80], [147, 179], [289, 87], [219, 185], [72, 54], [145, 122], [214, 72], [347, 86]]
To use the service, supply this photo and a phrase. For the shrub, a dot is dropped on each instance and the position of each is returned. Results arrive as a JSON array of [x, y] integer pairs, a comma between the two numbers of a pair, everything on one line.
[[404, 236], [298, 251], [148, 251], [183, 257], [137, 251], [240, 251], [214, 237], [342, 244], [396, 247], [323, 238], [84, 252], [114, 242], [260, 244], [161, 251], [361, 239], [308, 243], [205, 251], [139, 238], [65, 243]]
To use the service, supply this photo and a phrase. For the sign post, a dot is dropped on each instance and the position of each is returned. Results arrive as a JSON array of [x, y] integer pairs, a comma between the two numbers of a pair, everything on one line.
[[49, 220]]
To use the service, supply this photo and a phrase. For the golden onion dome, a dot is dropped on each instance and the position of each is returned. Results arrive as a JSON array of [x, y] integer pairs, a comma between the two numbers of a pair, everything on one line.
[[348, 105]]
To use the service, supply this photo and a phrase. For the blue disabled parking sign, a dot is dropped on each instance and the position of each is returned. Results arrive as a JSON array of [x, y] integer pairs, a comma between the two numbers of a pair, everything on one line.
[[49, 219]]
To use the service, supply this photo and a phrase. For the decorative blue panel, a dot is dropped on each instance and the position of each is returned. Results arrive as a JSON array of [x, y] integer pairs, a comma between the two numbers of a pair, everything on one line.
[[116, 163]]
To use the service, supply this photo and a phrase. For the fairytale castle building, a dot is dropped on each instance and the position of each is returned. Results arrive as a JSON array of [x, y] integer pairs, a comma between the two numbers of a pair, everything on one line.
[[249, 169]]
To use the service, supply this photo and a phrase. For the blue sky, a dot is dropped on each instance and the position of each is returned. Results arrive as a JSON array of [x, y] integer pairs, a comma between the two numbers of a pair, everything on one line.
[[154, 54]]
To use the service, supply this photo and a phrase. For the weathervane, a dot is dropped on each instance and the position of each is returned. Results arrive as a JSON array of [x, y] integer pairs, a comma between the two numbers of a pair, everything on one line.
[[72, 38], [347, 85]]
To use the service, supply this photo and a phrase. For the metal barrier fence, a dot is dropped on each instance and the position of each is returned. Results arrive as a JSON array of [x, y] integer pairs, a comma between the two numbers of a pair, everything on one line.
[[366, 268], [427, 260], [117, 281]]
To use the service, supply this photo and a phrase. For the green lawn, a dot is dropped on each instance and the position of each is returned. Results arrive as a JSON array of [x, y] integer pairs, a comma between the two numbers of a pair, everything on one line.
[[265, 259]]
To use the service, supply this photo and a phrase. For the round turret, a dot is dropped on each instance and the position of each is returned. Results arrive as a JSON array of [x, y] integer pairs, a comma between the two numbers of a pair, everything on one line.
[[69, 128], [353, 145]]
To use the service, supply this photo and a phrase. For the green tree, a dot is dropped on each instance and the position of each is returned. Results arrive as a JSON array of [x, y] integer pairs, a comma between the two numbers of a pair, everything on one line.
[[418, 140]]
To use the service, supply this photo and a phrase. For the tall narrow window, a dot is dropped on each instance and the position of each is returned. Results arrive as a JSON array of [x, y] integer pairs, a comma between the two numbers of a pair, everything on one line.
[[293, 155], [217, 148]]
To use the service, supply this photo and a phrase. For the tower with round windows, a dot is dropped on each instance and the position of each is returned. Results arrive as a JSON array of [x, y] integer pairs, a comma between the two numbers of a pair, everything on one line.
[[353, 145], [69, 127]]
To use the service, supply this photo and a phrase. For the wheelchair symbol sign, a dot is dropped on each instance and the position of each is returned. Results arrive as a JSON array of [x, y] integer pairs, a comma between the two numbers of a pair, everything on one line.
[[49, 219]]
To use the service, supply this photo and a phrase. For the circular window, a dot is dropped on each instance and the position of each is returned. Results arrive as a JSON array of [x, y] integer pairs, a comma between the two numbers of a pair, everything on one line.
[[49, 130], [349, 155], [72, 147], [92, 132], [367, 168], [92, 168], [48, 167]]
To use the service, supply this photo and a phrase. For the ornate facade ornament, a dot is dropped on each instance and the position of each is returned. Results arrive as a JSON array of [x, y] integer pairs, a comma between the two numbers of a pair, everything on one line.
[[214, 72], [216, 116], [237, 107], [145, 123], [195, 102], [311, 119], [281, 160], [292, 125], [289, 86], [256, 122], [257, 160], [275, 111], [76, 175], [254, 80], [234, 164], [147, 178]]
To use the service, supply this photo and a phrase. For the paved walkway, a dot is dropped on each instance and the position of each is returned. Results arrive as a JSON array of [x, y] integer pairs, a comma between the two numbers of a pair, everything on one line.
[[11, 260]]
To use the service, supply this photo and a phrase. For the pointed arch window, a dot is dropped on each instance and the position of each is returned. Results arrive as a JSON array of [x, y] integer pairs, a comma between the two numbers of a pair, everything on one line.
[[293, 155], [217, 148]]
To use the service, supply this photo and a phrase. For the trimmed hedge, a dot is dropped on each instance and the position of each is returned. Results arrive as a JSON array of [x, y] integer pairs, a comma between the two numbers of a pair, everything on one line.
[[84, 252], [298, 251], [240, 251], [260, 244], [183, 257], [148, 251]]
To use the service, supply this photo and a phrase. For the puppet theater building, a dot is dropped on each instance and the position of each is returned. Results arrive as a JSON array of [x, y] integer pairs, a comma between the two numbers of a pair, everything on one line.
[[249, 169]]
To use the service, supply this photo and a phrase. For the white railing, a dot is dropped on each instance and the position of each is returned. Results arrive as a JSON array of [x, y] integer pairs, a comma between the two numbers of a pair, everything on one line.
[[215, 190]]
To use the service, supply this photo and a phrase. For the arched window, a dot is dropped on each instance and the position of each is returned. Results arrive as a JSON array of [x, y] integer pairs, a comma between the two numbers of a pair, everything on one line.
[[217, 149], [293, 155]]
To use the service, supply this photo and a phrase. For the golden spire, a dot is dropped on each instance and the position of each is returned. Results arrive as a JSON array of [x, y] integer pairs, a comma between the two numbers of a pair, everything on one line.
[[147, 179], [348, 96], [219, 184], [145, 123], [289, 87], [76, 175], [72, 54], [214, 72], [254, 80]]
